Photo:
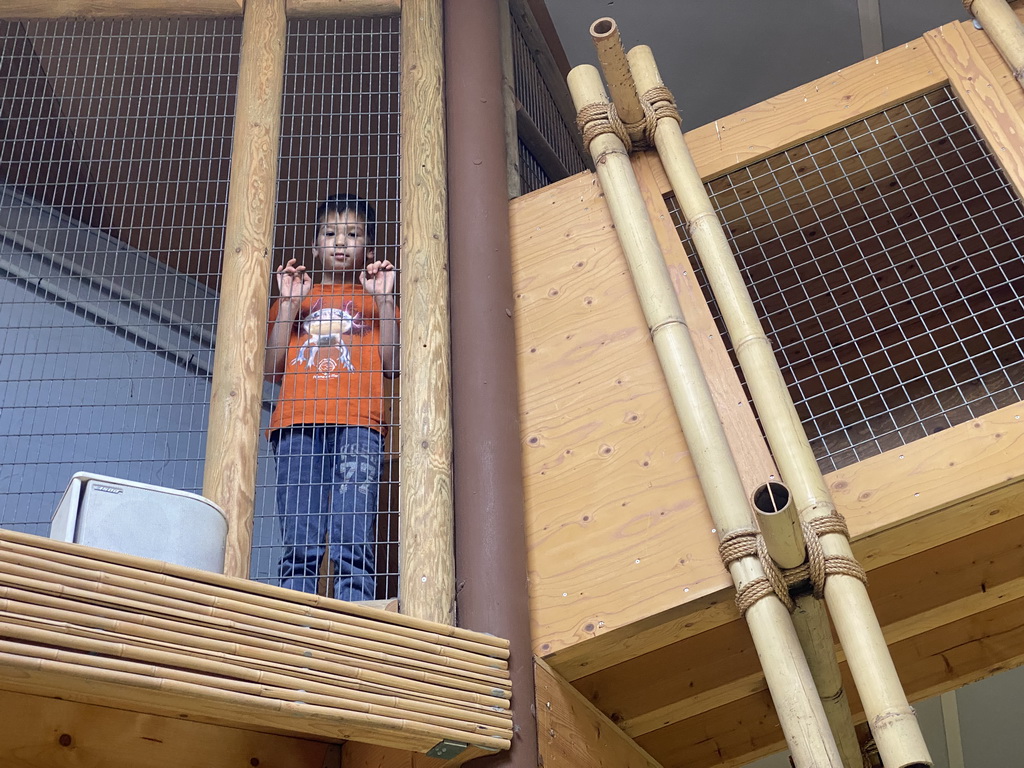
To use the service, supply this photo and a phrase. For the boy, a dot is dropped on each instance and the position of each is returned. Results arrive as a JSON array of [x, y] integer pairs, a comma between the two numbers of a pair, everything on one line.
[[329, 345]]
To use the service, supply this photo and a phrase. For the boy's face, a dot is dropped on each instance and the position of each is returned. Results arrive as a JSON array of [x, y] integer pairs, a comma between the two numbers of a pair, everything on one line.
[[340, 244]]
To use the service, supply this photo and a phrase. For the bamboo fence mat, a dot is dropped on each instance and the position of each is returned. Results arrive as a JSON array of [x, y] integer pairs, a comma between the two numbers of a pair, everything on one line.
[[96, 626]]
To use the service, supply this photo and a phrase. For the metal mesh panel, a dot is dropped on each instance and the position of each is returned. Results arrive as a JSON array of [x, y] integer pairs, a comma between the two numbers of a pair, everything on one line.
[[114, 153], [535, 95], [884, 261], [339, 135], [531, 175]]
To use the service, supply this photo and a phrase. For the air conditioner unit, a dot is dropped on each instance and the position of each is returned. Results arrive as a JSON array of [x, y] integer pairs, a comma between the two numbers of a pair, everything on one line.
[[139, 519]]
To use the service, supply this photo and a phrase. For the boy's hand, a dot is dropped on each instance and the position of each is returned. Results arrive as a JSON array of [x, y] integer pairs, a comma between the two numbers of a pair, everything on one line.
[[292, 281], [378, 279]]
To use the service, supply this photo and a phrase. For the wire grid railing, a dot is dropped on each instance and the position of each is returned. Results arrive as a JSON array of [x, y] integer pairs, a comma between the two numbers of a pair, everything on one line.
[[115, 141], [340, 134], [884, 259], [534, 92], [114, 151]]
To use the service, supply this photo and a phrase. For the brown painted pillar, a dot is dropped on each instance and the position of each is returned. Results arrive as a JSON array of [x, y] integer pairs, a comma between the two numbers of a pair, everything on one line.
[[490, 541]]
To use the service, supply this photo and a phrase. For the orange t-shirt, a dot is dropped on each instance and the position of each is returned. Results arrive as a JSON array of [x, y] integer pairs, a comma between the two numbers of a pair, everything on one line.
[[333, 370]]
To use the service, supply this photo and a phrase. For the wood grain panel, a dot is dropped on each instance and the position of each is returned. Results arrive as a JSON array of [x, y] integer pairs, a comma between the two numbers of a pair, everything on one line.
[[978, 90], [619, 529], [573, 733], [42, 732]]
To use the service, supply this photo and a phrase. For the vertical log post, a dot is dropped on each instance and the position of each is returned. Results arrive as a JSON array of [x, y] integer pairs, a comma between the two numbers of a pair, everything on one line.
[[490, 531], [426, 554], [231, 446]]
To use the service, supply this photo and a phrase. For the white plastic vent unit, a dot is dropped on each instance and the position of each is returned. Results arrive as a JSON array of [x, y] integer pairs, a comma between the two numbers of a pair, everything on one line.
[[144, 520]]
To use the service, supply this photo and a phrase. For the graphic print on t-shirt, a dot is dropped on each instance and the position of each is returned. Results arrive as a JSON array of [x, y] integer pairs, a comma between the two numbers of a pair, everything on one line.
[[325, 348]]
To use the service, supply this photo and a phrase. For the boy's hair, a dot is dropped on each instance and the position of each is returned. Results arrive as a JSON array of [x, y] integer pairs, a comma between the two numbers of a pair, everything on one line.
[[345, 202]]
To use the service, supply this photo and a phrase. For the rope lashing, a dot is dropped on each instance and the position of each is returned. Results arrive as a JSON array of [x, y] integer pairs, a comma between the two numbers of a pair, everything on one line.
[[748, 542], [599, 118]]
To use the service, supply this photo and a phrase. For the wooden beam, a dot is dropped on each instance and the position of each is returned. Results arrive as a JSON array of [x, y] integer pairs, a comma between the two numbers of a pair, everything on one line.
[[229, 478], [296, 9], [427, 553], [912, 597], [573, 733], [950, 657], [29, 9], [324, 9], [977, 88], [40, 730], [355, 754]]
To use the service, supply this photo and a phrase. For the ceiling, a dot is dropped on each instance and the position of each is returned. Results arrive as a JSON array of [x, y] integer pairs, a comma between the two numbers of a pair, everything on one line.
[[720, 57]]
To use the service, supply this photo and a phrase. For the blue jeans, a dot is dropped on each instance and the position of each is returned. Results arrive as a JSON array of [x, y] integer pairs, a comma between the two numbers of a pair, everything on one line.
[[327, 483]]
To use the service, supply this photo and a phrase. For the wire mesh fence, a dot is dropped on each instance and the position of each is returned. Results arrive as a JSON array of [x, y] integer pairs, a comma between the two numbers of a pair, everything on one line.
[[539, 103], [340, 135], [114, 155], [885, 262]]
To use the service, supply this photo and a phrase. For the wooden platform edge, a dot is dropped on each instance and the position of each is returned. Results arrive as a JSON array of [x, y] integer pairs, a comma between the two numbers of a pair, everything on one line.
[[897, 504], [573, 733]]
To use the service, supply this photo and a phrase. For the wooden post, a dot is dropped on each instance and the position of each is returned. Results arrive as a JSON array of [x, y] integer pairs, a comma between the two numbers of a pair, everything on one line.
[[235, 399], [427, 560]]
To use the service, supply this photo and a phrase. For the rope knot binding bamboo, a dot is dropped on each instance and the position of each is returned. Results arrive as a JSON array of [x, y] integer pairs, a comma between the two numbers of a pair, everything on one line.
[[748, 542], [657, 102], [597, 119]]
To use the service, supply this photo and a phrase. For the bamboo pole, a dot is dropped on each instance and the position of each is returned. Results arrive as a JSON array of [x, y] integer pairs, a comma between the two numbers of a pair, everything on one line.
[[236, 395], [892, 720], [605, 34], [780, 527], [789, 680], [1004, 28], [427, 551]]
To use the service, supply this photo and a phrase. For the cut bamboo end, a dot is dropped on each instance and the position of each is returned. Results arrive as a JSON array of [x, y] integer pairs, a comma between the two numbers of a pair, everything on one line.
[[612, 58], [779, 524]]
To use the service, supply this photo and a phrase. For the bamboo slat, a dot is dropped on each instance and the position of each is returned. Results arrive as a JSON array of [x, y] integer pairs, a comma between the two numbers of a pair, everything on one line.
[[28, 574], [214, 674], [289, 605], [107, 629], [242, 656], [143, 685], [237, 634]]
